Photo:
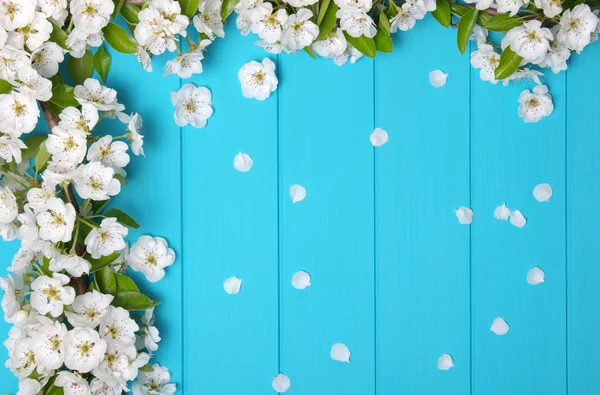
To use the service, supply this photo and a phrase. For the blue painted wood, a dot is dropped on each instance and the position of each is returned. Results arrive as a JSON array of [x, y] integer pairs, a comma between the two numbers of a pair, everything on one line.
[[230, 229], [508, 159], [422, 176], [583, 216], [325, 122]]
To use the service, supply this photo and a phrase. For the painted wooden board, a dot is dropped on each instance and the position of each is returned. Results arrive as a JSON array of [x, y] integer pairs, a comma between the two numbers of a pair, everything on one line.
[[422, 254]]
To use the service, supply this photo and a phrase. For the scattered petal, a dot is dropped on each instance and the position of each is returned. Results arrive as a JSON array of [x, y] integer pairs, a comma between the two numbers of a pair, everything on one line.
[[297, 193], [517, 219], [281, 383], [232, 285], [464, 215], [502, 212], [499, 326], [340, 352], [438, 78], [535, 276], [379, 137], [301, 280], [242, 162], [542, 192], [445, 362]]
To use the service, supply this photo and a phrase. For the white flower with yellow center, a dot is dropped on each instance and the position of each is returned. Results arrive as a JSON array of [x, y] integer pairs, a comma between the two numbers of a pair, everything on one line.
[[10, 148], [66, 146], [511, 7], [356, 22], [298, 30], [192, 106], [159, 25], [557, 56], [110, 154], [171, 19], [91, 15], [486, 60], [37, 198], [72, 383], [576, 27], [258, 79], [51, 294], [208, 20], [106, 239], [54, 9], [80, 122], [11, 60], [46, 59], [101, 97], [189, 63], [88, 309], [117, 327], [269, 24], [8, 206], [535, 105], [531, 41], [16, 13], [56, 224], [150, 255], [84, 349], [95, 181], [119, 364], [18, 113], [155, 382], [58, 172], [350, 53], [31, 83], [32, 35], [22, 361], [49, 346], [332, 45], [551, 8], [364, 5]]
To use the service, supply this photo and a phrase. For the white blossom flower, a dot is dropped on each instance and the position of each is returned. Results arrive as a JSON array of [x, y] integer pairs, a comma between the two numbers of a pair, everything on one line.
[[75, 265], [91, 15], [51, 294], [150, 255], [487, 60], [58, 172], [350, 53], [106, 239], [80, 122], [301, 3], [49, 348], [159, 24], [79, 39], [298, 30], [11, 60], [32, 84], [32, 35], [511, 7], [479, 35], [84, 349], [16, 13], [18, 113], [22, 260], [22, 360], [10, 304], [531, 41], [535, 105], [95, 181], [356, 22], [524, 75], [88, 309], [120, 364], [576, 27], [56, 224], [134, 126], [192, 105], [29, 386], [364, 5], [66, 146], [8, 232], [188, 63], [208, 20], [117, 327], [150, 333], [155, 382], [273, 48], [110, 153], [268, 24], [72, 383], [557, 56], [8, 206], [46, 58], [101, 97], [551, 8], [28, 229], [10, 148], [332, 45], [405, 19], [258, 79], [144, 58], [481, 4], [54, 9], [37, 198]]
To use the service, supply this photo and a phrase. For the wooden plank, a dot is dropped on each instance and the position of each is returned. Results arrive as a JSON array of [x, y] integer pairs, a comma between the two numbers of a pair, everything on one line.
[[583, 216], [326, 116], [509, 158], [9, 382], [422, 176], [230, 228]]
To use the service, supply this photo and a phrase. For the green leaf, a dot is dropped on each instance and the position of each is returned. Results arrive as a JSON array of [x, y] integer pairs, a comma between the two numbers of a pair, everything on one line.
[[102, 262], [392, 11], [310, 51], [189, 7], [131, 300], [465, 26], [59, 36], [99, 205], [458, 10], [82, 68], [121, 179], [323, 6], [130, 13], [122, 218], [63, 96], [364, 44], [105, 278], [57, 79], [483, 18], [328, 22], [384, 23], [33, 144], [442, 13], [5, 87], [383, 41], [84, 230], [146, 369], [102, 63], [503, 23], [125, 283], [53, 390], [118, 38], [509, 62], [42, 158], [118, 6], [227, 8]]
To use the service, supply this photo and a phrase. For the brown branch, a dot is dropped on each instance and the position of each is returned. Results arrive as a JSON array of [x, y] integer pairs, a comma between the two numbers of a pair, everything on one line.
[[50, 118], [134, 2]]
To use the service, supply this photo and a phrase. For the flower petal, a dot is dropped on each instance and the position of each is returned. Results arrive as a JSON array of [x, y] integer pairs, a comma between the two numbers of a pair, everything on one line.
[[340, 352], [542, 192], [464, 215], [437, 78], [242, 162], [517, 219], [301, 280], [281, 383], [445, 362], [379, 137], [499, 326], [232, 285], [297, 193], [535, 276]]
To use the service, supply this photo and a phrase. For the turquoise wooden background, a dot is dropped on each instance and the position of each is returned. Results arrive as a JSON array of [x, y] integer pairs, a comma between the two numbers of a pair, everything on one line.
[[394, 275]]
